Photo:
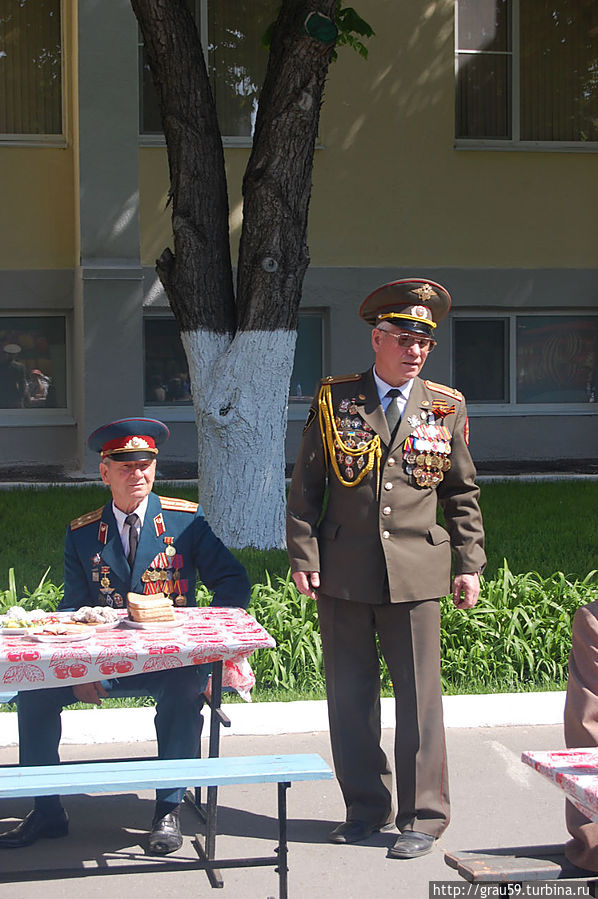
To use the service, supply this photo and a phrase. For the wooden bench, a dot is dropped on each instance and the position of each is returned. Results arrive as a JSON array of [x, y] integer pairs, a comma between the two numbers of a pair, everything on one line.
[[107, 777], [517, 864]]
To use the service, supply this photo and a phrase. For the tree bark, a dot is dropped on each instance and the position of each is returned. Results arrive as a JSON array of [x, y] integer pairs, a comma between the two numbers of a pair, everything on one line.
[[240, 352]]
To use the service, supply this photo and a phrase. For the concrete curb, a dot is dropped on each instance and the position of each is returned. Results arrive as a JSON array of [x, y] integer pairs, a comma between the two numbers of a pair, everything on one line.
[[92, 726]]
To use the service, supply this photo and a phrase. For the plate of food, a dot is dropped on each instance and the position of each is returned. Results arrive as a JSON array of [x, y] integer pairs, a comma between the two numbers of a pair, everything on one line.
[[151, 613], [62, 633], [18, 621], [101, 618]]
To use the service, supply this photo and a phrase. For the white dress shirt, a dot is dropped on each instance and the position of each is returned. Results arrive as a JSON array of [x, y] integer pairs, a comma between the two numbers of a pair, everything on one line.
[[123, 527]]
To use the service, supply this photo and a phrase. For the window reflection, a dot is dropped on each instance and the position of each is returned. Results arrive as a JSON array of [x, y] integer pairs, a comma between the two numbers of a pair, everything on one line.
[[32, 362], [166, 369], [556, 359]]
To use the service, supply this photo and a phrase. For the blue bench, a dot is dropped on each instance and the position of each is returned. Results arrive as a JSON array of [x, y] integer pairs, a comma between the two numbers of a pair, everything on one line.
[[106, 777]]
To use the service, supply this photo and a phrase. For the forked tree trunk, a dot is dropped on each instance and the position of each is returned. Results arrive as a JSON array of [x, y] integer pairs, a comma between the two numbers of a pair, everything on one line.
[[240, 350]]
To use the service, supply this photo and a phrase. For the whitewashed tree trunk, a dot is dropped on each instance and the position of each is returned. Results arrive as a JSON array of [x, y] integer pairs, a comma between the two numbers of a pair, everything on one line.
[[239, 343], [240, 394]]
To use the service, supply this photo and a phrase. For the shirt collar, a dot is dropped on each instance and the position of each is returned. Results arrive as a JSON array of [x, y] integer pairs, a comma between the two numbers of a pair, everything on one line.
[[120, 516], [383, 387]]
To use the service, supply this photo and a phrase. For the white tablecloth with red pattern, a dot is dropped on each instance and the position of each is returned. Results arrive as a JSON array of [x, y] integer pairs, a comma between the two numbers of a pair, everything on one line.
[[573, 770], [205, 635]]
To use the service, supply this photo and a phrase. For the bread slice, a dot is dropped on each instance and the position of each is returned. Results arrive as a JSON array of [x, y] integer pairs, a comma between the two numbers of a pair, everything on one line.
[[150, 608]]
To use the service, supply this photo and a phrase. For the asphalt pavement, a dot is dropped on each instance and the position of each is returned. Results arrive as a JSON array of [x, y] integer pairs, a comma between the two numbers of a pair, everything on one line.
[[496, 802]]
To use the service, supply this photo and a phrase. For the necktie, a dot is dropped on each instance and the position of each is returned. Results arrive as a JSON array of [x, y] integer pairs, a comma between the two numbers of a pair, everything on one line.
[[132, 520], [393, 416]]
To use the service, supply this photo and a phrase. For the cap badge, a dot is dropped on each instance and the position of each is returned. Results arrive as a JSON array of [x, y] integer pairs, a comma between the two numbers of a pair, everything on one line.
[[420, 311], [424, 293], [136, 443]]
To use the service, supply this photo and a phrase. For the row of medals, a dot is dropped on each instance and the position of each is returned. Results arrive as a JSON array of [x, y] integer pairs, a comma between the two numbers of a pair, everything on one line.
[[151, 574], [427, 468], [356, 438]]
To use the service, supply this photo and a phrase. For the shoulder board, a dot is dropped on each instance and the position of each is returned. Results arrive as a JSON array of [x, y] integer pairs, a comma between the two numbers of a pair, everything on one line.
[[88, 518], [172, 504], [340, 379], [447, 391]]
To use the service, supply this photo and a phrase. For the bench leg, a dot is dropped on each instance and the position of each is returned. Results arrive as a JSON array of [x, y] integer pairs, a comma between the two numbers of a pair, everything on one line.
[[283, 849]]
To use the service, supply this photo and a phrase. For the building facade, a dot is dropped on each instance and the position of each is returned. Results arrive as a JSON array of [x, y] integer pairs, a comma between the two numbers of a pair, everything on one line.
[[464, 150]]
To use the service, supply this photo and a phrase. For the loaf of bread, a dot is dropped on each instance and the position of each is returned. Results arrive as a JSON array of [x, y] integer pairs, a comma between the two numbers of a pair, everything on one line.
[[150, 608]]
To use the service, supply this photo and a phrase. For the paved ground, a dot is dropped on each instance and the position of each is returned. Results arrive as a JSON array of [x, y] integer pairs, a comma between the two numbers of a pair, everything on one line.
[[497, 802]]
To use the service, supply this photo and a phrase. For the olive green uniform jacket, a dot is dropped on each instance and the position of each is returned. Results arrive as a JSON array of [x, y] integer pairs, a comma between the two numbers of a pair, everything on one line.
[[380, 540]]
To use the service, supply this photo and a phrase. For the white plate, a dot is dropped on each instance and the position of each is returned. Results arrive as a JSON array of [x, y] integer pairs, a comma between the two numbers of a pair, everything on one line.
[[62, 638], [110, 625], [152, 625], [15, 631]]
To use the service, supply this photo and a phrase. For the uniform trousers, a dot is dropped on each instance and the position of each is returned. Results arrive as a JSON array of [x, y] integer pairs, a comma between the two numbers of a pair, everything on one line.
[[409, 638], [178, 693]]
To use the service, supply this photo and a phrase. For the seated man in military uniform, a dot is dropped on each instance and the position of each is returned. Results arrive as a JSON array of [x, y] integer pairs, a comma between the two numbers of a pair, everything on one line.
[[134, 541]]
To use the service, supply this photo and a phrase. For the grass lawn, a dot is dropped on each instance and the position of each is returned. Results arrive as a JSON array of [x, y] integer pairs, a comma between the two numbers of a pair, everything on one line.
[[537, 526]]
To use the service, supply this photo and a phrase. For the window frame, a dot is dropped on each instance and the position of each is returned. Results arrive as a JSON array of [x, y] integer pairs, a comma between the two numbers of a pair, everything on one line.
[[512, 407], [36, 417], [513, 143], [58, 141]]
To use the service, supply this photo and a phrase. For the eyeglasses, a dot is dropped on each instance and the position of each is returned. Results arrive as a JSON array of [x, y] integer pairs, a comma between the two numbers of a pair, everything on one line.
[[406, 341]]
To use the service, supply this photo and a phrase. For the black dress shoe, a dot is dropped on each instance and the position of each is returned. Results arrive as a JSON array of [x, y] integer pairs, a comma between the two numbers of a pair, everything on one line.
[[411, 844], [353, 831], [166, 834], [35, 826]]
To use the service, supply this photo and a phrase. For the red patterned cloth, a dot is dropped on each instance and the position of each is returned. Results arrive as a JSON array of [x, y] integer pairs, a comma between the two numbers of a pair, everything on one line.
[[205, 635]]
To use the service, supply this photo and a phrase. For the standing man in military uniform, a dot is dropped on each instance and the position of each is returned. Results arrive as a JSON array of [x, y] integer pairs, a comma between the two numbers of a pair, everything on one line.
[[386, 447], [141, 543]]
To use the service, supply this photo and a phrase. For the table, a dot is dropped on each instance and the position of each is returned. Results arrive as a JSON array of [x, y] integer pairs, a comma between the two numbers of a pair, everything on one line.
[[222, 636], [205, 635], [575, 771]]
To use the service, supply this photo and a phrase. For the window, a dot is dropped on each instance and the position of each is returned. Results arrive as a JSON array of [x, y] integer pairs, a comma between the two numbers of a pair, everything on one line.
[[30, 68], [519, 360], [481, 345], [231, 33], [307, 368], [527, 72], [167, 372], [166, 369], [32, 362]]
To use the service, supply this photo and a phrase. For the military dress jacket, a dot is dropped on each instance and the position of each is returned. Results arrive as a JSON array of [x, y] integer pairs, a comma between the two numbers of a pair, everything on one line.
[[370, 528], [175, 545]]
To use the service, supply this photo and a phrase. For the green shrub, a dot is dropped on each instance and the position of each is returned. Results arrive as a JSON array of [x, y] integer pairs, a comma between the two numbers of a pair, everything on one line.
[[517, 638]]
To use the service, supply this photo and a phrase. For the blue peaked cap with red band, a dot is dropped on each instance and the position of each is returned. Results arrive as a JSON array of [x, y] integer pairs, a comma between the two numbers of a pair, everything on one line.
[[129, 439]]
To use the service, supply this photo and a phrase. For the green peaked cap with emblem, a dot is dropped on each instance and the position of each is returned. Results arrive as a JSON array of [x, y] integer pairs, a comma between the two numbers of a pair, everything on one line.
[[412, 304]]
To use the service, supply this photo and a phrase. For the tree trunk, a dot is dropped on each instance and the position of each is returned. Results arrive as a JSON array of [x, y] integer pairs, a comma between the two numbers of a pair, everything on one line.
[[240, 353], [240, 396]]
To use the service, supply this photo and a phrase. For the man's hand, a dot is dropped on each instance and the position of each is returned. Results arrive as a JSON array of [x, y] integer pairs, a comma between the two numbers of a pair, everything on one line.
[[93, 693], [466, 589], [307, 582]]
